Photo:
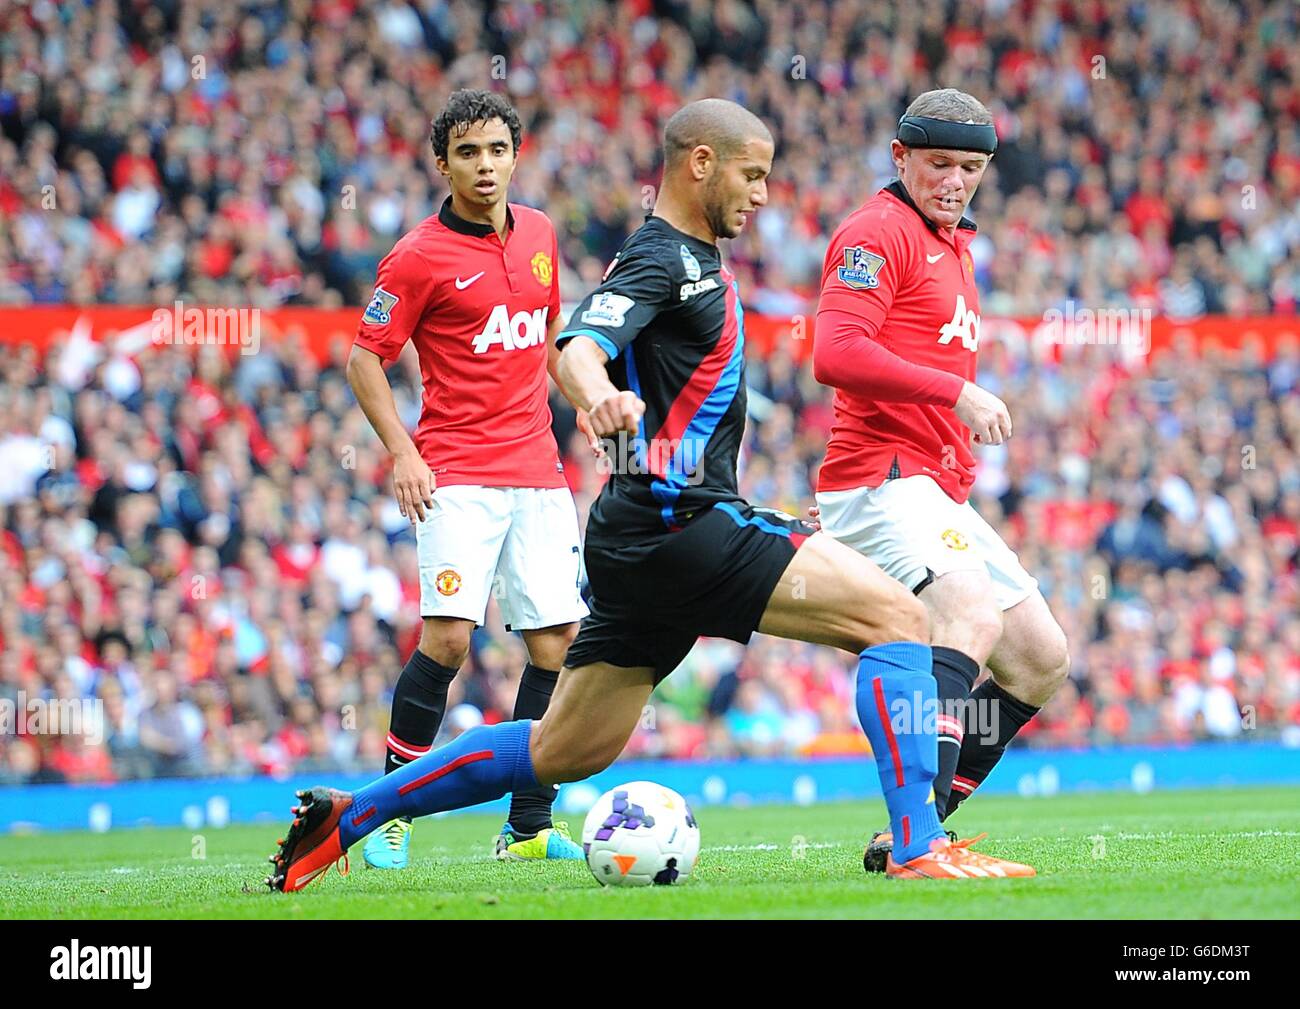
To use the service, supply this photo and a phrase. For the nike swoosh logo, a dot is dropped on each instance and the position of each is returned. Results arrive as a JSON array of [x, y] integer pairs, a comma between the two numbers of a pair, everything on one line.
[[304, 880], [462, 284], [934, 259]]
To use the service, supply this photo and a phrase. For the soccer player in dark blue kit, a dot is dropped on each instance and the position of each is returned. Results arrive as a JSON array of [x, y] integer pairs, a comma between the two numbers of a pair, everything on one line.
[[656, 355]]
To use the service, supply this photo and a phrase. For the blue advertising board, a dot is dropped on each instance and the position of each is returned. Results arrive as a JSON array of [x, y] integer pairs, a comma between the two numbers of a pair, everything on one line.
[[215, 802]]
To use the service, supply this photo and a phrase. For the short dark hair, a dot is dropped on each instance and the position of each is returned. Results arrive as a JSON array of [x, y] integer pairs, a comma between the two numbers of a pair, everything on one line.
[[721, 124], [465, 108]]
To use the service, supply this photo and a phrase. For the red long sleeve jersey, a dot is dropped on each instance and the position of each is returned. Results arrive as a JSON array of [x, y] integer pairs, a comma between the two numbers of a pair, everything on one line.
[[893, 279], [477, 311]]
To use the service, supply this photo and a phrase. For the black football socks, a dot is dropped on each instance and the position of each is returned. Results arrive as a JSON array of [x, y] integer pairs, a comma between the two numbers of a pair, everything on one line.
[[530, 811], [955, 672], [419, 702], [993, 717]]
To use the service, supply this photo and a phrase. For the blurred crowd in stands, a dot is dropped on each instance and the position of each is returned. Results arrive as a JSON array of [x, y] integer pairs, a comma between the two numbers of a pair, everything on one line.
[[265, 153], [208, 546]]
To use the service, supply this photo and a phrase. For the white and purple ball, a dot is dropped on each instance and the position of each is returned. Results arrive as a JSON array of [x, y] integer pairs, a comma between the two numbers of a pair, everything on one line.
[[640, 834]]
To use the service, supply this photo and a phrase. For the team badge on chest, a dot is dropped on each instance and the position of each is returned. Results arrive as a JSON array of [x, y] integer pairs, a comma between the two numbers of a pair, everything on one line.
[[542, 269]]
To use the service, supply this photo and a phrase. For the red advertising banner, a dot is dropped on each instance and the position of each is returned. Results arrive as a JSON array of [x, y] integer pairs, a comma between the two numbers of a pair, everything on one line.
[[328, 333]]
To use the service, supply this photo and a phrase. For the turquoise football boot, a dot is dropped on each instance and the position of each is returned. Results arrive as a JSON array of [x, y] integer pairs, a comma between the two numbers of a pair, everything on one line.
[[553, 842], [389, 847]]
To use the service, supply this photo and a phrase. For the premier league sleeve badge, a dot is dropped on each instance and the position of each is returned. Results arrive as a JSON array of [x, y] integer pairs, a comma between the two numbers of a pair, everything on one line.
[[860, 268]]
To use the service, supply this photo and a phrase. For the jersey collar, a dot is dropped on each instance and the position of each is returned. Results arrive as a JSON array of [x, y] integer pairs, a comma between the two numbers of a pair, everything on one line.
[[677, 231], [450, 219], [899, 192]]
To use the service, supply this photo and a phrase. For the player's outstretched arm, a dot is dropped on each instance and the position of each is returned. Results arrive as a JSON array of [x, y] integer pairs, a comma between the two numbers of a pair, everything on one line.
[[581, 374], [413, 482]]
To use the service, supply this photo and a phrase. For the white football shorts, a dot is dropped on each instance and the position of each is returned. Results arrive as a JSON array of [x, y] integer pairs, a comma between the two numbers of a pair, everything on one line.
[[914, 532], [518, 545]]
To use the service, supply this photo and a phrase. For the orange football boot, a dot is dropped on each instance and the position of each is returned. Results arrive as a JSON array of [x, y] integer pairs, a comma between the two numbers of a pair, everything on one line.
[[312, 844], [948, 859]]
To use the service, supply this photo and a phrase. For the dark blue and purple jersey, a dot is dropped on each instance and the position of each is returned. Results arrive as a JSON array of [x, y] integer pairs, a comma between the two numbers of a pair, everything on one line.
[[668, 314]]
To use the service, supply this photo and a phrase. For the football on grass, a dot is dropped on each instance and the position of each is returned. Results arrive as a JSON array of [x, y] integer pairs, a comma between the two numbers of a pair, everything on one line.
[[640, 833]]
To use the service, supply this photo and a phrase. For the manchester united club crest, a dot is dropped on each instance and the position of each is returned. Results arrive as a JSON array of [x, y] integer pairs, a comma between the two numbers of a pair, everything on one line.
[[860, 268], [954, 540], [448, 582], [542, 270]]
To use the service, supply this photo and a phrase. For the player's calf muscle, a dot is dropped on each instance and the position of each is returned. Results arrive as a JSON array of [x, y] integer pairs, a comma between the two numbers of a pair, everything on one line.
[[591, 717], [560, 754]]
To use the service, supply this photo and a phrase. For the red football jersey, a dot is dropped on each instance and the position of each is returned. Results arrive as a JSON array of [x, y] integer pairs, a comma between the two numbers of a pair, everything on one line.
[[912, 286], [477, 311]]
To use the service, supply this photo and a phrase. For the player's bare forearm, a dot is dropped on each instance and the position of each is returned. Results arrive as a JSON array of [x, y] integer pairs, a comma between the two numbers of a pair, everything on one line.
[[582, 419], [553, 330], [375, 396], [413, 482], [581, 374]]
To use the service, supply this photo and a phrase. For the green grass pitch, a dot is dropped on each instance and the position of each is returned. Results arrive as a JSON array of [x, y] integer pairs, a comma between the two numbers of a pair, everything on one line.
[[1205, 854]]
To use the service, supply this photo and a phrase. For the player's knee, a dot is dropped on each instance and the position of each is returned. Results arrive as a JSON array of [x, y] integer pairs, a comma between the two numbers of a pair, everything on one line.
[[446, 642], [558, 757], [1054, 662], [548, 648], [558, 641]]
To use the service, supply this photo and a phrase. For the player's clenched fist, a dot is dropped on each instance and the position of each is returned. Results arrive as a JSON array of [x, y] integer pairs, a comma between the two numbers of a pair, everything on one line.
[[987, 416], [619, 412], [413, 485]]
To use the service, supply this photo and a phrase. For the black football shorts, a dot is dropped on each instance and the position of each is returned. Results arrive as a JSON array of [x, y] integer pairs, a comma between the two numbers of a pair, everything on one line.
[[652, 596]]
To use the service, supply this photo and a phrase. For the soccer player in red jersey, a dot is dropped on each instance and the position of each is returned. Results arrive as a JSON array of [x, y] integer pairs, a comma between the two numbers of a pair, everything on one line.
[[475, 289], [897, 332]]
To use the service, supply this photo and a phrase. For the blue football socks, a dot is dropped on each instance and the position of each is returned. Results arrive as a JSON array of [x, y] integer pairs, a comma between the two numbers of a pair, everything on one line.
[[897, 706], [480, 765]]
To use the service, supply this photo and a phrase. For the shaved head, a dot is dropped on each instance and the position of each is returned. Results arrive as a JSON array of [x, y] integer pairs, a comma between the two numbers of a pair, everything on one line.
[[717, 157], [712, 122]]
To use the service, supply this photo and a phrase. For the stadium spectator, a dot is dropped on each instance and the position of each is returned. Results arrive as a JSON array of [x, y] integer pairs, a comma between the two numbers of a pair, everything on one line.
[[170, 729]]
